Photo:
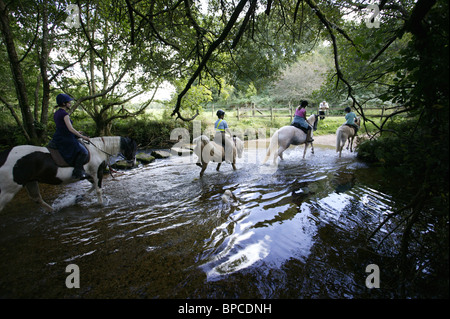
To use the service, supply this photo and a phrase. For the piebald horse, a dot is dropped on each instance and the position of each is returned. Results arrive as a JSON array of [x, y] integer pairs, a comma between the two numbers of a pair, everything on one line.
[[28, 165], [209, 151], [287, 136], [345, 133]]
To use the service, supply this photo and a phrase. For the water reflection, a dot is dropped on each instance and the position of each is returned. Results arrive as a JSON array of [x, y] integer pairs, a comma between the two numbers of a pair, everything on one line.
[[288, 232]]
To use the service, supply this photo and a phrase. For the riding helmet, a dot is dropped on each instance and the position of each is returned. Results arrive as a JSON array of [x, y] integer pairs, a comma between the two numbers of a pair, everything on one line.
[[220, 113], [63, 98]]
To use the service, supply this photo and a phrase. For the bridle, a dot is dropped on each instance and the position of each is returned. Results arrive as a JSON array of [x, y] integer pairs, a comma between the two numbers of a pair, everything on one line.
[[110, 169]]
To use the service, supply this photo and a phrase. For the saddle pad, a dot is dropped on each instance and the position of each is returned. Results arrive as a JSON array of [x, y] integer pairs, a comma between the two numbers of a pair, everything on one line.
[[56, 156], [60, 161], [300, 128]]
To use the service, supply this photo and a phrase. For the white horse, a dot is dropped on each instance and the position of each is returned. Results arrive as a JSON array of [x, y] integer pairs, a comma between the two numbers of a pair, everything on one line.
[[345, 133], [209, 151], [28, 165], [287, 136]]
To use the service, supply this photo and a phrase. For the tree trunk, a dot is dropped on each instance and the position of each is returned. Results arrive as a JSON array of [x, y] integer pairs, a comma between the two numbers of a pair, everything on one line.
[[43, 62], [19, 81]]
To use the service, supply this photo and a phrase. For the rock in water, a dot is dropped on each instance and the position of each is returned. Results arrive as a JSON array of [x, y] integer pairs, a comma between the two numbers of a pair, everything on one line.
[[144, 158], [160, 154]]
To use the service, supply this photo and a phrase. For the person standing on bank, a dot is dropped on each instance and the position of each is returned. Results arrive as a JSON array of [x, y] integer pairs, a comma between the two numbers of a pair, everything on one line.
[[300, 121], [66, 138], [323, 108]]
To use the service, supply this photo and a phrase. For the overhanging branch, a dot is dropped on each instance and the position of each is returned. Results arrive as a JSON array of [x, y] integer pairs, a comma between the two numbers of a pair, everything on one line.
[[206, 57]]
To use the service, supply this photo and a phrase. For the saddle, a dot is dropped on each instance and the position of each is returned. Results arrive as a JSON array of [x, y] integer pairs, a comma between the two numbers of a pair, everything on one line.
[[57, 157], [355, 127], [300, 128]]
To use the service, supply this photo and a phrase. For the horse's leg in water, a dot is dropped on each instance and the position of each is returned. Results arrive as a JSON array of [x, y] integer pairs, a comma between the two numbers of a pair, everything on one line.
[[281, 149], [96, 180], [312, 148], [7, 195], [304, 151], [204, 165], [33, 191], [351, 143]]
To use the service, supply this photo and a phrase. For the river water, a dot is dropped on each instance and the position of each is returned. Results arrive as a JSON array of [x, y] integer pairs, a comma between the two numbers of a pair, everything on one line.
[[296, 230]]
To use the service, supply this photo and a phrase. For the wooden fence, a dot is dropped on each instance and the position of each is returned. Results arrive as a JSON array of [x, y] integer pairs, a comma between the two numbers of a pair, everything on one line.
[[251, 110]]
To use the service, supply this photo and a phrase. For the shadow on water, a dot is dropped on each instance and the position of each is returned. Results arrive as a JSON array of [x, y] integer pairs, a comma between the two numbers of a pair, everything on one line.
[[293, 231]]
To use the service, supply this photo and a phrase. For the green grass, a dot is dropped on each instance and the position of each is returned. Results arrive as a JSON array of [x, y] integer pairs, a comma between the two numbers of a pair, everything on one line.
[[327, 126]]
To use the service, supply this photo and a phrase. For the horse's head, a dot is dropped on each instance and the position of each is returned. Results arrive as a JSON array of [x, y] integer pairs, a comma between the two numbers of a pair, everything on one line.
[[128, 148], [316, 120], [313, 120]]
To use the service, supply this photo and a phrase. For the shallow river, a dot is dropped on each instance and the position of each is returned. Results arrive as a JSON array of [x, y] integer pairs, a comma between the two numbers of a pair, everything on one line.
[[297, 230]]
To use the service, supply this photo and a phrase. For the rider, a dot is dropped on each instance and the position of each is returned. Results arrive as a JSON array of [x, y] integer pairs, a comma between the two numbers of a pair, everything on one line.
[[65, 137], [350, 118], [221, 126], [300, 120]]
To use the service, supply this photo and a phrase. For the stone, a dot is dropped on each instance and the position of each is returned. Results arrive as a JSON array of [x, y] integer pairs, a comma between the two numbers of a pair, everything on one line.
[[160, 154], [144, 158]]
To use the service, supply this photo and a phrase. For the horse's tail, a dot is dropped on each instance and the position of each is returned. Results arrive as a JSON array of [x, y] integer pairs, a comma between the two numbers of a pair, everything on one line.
[[272, 149], [338, 139]]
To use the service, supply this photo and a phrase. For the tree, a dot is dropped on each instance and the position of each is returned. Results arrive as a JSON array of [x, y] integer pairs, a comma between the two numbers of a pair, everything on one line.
[[112, 75], [303, 78], [29, 36]]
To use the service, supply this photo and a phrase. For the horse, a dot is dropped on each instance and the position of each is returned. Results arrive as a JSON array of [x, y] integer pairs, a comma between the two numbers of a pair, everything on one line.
[[289, 135], [208, 150], [345, 133], [28, 165]]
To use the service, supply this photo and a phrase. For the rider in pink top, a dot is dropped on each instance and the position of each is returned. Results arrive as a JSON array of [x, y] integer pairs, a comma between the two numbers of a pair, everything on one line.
[[300, 112], [300, 120]]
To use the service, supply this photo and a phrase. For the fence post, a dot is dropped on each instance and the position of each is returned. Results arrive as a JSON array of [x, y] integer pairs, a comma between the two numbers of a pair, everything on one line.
[[271, 112], [237, 112], [290, 110]]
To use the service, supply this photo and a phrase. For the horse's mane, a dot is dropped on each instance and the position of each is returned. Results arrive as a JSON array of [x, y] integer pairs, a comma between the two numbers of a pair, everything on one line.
[[106, 142]]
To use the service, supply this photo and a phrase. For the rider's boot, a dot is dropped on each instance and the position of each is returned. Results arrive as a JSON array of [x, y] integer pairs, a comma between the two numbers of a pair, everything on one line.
[[78, 171]]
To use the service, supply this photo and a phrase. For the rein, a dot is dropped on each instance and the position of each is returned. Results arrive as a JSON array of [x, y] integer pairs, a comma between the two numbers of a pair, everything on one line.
[[111, 170], [89, 142]]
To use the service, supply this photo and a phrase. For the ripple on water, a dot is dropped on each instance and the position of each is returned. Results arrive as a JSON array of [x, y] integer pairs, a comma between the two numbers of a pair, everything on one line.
[[166, 233]]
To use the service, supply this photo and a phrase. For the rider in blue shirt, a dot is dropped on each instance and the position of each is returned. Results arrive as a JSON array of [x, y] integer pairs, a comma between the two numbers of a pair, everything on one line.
[[221, 126], [350, 119]]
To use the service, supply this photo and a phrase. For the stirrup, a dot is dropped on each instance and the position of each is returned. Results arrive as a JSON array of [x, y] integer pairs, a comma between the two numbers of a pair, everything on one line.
[[79, 174]]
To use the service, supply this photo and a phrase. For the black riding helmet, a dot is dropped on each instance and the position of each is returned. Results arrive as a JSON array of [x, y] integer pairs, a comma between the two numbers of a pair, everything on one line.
[[63, 98], [220, 113]]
